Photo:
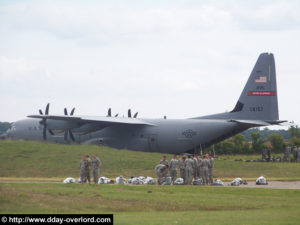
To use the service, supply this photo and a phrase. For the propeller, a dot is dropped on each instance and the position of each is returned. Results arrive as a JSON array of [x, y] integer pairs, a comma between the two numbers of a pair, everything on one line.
[[109, 113], [43, 122], [129, 114], [69, 131]]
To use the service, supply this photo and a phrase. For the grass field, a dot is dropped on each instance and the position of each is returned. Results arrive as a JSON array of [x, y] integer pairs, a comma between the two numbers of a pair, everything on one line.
[[156, 204], [25, 159], [34, 161]]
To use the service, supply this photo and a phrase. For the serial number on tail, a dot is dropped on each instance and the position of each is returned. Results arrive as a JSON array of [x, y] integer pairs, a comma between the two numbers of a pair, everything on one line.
[[256, 109]]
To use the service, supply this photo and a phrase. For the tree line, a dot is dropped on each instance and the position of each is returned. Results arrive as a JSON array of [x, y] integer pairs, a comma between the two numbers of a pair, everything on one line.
[[275, 141]]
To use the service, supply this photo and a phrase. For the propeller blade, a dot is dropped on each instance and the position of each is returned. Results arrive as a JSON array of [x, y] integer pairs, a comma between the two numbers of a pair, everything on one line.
[[129, 112], [109, 112], [44, 133], [41, 112], [135, 115], [66, 111], [72, 112], [51, 132], [66, 135], [47, 109], [71, 135], [117, 115]]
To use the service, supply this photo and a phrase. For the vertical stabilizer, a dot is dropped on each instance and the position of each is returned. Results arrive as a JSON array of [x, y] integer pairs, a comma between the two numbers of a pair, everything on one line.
[[258, 100]]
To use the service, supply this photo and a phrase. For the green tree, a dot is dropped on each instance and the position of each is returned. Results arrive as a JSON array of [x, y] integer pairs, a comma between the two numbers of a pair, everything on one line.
[[277, 142], [4, 126], [257, 142], [294, 131], [240, 144]]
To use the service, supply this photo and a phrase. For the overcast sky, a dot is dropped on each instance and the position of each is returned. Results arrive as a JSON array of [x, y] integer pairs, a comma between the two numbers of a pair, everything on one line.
[[176, 58]]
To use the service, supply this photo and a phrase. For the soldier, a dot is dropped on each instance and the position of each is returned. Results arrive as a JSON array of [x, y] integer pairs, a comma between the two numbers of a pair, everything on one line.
[[188, 165], [263, 154], [173, 168], [298, 154], [195, 172], [164, 161], [161, 171], [210, 169], [181, 167], [287, 154], [82, 166], [269, 154], [199, 170], [87, 168], [295, 153], [204, 167], [96, 163]]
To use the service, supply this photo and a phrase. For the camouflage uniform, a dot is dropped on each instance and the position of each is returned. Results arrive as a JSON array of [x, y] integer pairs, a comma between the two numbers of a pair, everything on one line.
[[82, 166], [164, 162], [195, 169], [287, 154], [96, 163], [211, 170], [199, 170], [182, 168], [204, 167], [173, 169], [87, 169], [161, 171], [295, 153], [188, 164]]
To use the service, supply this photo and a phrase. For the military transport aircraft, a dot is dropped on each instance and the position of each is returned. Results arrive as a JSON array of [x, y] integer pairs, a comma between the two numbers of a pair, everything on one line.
[[257, 106]]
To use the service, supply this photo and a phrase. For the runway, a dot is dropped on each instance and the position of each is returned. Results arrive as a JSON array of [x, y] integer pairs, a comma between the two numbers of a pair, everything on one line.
[[251, 184]]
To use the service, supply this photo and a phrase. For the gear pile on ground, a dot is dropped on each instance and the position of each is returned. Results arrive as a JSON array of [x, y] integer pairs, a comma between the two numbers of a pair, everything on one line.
[[236, 182], [105, 180], [120, 180], [166, 180], [179, 181], [261, 181], [150, 181], [69, 180], [217, 183], [198, 182]]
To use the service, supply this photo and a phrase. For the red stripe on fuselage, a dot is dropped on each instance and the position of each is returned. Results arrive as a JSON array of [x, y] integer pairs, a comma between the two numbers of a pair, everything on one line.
[[262, 93]]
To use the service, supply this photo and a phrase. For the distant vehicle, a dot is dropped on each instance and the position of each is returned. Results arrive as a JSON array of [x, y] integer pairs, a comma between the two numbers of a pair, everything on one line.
[[257, 106]]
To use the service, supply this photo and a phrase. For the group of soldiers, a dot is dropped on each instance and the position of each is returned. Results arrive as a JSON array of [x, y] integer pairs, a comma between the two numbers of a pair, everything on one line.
[[85, 165], [190, 167], [295, 151]]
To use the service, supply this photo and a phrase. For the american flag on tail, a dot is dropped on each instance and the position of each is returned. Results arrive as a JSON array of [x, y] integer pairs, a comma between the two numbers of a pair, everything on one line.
[[261, 79]]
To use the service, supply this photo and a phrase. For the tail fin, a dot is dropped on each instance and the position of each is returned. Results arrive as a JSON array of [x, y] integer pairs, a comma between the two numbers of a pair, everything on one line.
[[258, 100]]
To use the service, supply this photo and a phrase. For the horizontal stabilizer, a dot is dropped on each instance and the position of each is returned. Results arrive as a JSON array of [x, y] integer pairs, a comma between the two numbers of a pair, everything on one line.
[[251, 123]]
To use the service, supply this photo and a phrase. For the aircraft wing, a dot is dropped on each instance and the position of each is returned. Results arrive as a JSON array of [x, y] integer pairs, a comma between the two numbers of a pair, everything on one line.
[[86, 124], [96, 119]]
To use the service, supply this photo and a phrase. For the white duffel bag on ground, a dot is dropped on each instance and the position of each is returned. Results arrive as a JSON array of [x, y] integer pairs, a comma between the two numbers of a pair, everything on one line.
[[179, 181], [198, 182], [261, 181], [150, 180], [236, 182], [120, 180], [218, 183], [69, 180]]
